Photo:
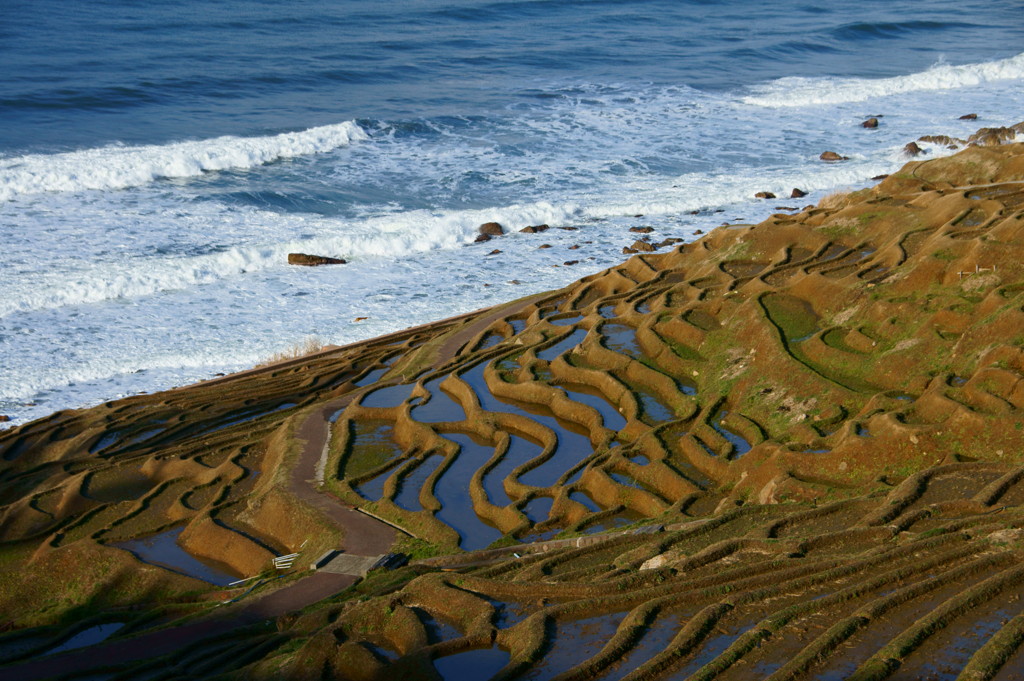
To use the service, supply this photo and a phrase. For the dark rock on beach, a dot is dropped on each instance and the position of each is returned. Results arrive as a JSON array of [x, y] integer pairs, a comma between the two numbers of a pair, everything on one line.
[[764, 195], [993, 137], [797, 193], [944, 140], [307, 260], [641, 230], [4, 418], [534, 229], [912, 149], [969, 117], [491, 229], [870, 123], [642, 246], [481, 238]]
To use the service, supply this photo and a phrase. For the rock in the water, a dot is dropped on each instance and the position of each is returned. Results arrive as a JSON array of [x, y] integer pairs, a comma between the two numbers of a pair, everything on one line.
[[626, 250], [543, 246], [491, 229], [832, 156], [482, 238], [312, 260], [641, 230], [570, 229], [797, 193], [912, 149], [880, 177], [670, 241], [534, 229], [969, 117], [764, 195], [642, 246], [574, 247], [698, 231], [4, 418], [495, 252], [992, 137], [944, 140], [568, 263], [870, 123]]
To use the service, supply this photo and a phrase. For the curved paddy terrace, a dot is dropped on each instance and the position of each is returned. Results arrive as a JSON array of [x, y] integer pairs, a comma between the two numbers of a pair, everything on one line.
[[787, 450]]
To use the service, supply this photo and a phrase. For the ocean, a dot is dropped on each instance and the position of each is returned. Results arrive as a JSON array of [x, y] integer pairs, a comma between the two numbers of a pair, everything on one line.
[[158, 161]]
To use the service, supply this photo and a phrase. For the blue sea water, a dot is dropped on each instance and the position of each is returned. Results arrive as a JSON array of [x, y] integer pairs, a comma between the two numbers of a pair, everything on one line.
[[159, 160]]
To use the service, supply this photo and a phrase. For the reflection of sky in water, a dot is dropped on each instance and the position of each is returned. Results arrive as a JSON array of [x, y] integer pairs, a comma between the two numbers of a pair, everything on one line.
[[472, 665], [567, 343], [519, 452], [391, 396], [655, 639], [408, 495], [163, 550], [575, 642], [741, 446], [582, 498], [452, 490], [87, 637], [440, 407], [538, 509], [610, 415], [571, 448]]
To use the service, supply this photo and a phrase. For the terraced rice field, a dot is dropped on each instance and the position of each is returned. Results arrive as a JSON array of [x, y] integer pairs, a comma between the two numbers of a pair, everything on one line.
[[787, 450]]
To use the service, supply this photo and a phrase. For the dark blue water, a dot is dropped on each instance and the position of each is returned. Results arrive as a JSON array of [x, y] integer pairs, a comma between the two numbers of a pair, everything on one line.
[[81, 74], [168, 157]]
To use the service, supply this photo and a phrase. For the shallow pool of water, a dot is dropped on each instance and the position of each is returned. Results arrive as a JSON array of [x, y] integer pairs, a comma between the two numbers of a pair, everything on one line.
[[564, 345], [653, 410], [654, 640], [621, 339], [740, 445], [440, 407], [582, 498], [538, 509], [519, 452], [570, 449], [610, 415], [452, 491], [478, 664], [88, 637], [574, 643], [392, 396], [163, 550], [565, 320], [408, 495]]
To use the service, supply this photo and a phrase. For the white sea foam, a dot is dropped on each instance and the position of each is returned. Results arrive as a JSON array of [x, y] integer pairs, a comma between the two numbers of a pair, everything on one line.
[[119, 167], [798, 91], [391, 236]]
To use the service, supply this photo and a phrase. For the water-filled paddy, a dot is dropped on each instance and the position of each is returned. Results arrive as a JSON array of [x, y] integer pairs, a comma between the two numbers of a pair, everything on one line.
[[163, 550], [408, 495], [452, 491]]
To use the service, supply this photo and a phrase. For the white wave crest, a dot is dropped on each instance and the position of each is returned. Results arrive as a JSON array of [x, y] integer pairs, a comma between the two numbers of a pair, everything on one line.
[[388, 237], [798, 91], [119, 167]]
